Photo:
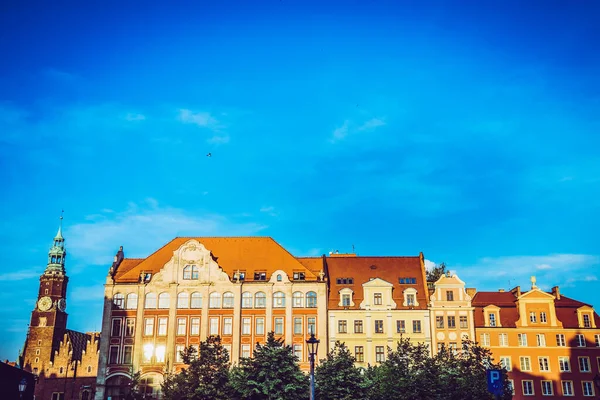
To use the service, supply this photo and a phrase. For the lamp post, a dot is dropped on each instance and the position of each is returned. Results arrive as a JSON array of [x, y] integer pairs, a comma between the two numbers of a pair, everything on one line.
[[313, 347], [22, 386]]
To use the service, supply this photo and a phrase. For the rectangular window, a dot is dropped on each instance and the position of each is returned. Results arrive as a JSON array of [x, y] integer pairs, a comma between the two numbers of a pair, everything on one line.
[[505, 362], [503, 339], [113, 355], [588, 388], [246, 327], [525, 364], [544, 364], [378, 326], [260, 301], [260, 326], [181, 326], [528, 388], [358, 326], [162, 326], [129, 327], [260, 276], [401, 326], [116, 327], [227, 326], [543, 318], [560, 340], [247, 300], [148, 352], [379, 354], [194, 326], [228, 348], [580, 340], [377, 299], [463, 322], [449, 295], [564, 364], [584, 364], [541, 340], [57, 395], [279, 326], [346, 300], [342, 326], [439, 322], [416, 326], [532, 317], [359, 353], [522, 337], [214, 326], [597, 340], [228, 300], [127, 354], [410, 299], [245, 351], [586, 321], [297, 326], [178, 349], [148, 326], [485, 339], [298, 351], [312, 325], [451, 322], [567, 388], [511, 386], [160, 353], [547, 389], [492, 319], [299, 276]]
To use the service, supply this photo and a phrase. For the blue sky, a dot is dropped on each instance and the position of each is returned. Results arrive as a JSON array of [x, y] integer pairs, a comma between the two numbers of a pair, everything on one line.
[[464, 130]]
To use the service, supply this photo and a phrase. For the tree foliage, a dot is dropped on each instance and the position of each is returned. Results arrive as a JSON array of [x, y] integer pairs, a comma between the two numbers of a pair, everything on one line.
[[436, 272], [271, 374], [205, 378], [336, 377]]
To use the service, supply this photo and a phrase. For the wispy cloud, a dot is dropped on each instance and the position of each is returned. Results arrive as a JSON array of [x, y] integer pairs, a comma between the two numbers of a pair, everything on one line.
[[429, 265], [19, 275], [340, 132], [219, 139], [371, 124], [349, 128], [202, 119], [135, 117], [270, 210], [144, 227]]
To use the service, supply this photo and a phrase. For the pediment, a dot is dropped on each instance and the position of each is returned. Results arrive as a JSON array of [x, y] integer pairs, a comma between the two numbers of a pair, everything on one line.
[[193, 252], [536, 294], [377, 283]]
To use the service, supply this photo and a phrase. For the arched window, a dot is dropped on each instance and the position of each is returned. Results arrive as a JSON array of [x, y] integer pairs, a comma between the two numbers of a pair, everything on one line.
[[278, 300], [246, 300], [196, 300], [311, 300], [214, 300], [85, 395], [228, 300], [183, 300], [163, 300], [298, 299], [190, 272], [278, 277], [119, 300], [150, 300], [132, 301], [260, 300]]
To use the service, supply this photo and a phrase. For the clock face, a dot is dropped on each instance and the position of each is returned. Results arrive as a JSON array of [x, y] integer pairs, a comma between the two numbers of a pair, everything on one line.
[[62, 304], [45, 303]]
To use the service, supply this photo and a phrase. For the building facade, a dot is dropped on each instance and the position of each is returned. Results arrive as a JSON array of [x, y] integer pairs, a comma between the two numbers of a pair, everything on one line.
[[64, 361], [549, 343], [451, 313], [373, 301], [239, 288]]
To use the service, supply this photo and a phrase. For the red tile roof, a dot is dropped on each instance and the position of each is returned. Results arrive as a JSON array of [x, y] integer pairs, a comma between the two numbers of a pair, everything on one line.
[[387, 268], [248, 254]]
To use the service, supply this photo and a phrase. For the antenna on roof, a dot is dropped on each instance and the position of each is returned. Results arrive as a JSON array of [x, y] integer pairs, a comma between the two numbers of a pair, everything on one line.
[[352, 248]]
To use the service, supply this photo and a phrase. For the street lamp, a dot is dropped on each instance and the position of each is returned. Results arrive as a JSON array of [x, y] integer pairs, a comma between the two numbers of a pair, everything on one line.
[[313, 347], [22, 386]]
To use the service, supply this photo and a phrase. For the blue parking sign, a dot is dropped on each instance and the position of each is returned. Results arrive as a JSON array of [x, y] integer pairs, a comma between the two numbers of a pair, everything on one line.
[[495, 382]]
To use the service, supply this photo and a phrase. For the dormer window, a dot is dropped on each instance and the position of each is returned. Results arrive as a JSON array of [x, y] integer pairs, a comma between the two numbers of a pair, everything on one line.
[[532, 317], [449, 295], [344, 281], [346, 300], [543, 318], [407, 281], [241, 275], [377, 299], [586, 321], [492, 319], [260, 276], [299, 276], [410, 299]]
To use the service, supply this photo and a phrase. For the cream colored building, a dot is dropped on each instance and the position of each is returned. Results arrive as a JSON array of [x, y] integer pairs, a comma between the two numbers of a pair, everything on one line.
[[374, 301], [451, 313]]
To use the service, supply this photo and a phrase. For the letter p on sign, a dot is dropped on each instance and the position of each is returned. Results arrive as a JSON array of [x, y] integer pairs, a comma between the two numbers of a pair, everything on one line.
[[494, 382]]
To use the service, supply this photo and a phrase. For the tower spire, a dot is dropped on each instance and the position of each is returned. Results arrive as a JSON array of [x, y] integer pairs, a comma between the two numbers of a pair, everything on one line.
[[57, 253]]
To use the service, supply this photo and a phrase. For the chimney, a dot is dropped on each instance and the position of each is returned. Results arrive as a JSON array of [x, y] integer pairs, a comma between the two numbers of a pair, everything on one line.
[[501, 290], [556, 292], [516, 291]]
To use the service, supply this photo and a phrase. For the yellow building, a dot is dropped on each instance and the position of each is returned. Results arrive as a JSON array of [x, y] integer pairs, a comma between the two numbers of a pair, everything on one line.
[[451, 313], [238, 288], [373, 301]]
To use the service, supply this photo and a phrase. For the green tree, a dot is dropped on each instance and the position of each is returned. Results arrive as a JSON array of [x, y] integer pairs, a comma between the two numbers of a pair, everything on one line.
[[273, 374], [436, 272], [337, 378], [205, 378]]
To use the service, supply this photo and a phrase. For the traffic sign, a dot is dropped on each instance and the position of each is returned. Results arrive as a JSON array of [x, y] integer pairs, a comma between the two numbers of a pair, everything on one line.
[[495, 382]]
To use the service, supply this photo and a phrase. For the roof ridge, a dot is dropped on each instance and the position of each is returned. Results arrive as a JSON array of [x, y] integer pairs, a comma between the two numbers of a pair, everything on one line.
[[357, 256], [293, 256]]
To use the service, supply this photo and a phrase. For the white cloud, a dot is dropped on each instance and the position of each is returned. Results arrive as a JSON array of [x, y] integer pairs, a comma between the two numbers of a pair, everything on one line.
[[202, 119], [340, 132], [20, 275], [371, 124], [544, 266], [348, 128], [135, 117], [429, 265], [219, 139], [269, 210], [143, 228]]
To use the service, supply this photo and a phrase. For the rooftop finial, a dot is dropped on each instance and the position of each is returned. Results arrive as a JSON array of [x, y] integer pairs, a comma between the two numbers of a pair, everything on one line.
[[533, 280], [59, 233]]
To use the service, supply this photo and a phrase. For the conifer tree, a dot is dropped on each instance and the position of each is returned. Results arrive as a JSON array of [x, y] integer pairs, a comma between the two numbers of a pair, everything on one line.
[[337, 378]]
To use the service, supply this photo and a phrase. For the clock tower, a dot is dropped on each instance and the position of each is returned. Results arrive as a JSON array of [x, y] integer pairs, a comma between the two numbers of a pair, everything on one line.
[[48, 319]]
